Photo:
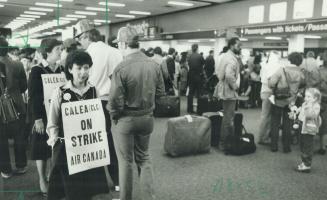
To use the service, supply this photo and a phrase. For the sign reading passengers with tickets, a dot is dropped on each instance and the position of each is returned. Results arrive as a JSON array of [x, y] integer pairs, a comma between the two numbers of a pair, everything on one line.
[[50, 83], [85, 135]]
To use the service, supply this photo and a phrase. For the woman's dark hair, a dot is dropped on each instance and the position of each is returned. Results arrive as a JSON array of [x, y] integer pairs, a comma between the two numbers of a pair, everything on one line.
[[183, 57], [295, 58], [78, 57], [47, 46], [157, 50]]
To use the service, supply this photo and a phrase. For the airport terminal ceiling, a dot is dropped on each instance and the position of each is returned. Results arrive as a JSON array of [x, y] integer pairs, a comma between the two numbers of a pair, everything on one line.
[[26, 14]]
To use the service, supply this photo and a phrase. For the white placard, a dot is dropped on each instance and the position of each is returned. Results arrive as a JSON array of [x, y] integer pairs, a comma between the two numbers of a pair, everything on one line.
[[278, 11], [324, 8], [303, 9], [50, 83], [256, 14], [85, 135]]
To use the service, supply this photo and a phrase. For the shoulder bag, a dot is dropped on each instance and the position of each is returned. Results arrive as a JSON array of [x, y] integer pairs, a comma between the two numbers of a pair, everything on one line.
[[8, 111], [282, 93]]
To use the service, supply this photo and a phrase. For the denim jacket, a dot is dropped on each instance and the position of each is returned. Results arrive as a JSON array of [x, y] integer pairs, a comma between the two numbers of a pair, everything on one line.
[[136, 83]]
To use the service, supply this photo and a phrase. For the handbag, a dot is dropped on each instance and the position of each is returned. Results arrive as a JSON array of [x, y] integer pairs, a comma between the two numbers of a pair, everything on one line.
[[8, 111], [282, 93]]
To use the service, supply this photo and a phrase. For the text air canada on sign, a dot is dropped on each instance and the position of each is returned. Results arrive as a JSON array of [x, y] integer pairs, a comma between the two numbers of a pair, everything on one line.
[[85, 135]]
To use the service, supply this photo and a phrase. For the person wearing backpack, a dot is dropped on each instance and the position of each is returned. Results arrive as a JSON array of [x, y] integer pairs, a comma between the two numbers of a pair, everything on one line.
[[323, 112]]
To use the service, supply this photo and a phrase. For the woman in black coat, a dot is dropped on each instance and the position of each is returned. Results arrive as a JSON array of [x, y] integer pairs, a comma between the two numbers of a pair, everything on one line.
[[40, 151]]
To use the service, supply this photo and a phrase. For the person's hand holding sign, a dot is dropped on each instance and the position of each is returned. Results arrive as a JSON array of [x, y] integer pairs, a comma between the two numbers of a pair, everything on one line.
[[39, 126]]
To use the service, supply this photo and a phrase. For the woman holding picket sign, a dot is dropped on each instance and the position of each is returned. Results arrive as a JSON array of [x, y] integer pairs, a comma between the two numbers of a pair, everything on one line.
[[85, 184], [40, 151]]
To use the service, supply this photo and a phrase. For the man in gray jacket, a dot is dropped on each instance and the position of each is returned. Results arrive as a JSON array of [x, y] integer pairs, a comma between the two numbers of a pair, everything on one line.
[[136, 83], [229, 83]]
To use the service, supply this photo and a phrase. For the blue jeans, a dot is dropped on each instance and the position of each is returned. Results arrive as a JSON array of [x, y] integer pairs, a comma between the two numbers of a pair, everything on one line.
[[131, 137]]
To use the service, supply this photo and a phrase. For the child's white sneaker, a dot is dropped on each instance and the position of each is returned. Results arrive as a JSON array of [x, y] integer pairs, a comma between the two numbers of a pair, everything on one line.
[[303, 168]]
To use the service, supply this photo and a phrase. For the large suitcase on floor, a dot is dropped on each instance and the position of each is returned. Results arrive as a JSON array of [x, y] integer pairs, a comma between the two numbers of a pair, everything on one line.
[[187, 135], [207, 104], [167, 106], [216, 120]]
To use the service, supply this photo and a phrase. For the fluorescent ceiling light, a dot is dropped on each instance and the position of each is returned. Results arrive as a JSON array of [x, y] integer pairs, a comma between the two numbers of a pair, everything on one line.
[[55, 5], [21, 20], [193, 41], [212, 40], [125, 16], [179, 3], [244, 39], [3, 0], [76, 16], [25, 18], [34, 13], [139, 12], [312, 37], [41, 9], [85, 13], [112, 4], [101, 21], [68, 18], [273, 38], [67, 0], [58, 30], [96, 9], [97, 23], [1, 6], [30, 16]]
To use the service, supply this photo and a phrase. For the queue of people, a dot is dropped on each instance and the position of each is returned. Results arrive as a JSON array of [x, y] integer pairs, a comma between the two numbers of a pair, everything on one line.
[[128, 81]]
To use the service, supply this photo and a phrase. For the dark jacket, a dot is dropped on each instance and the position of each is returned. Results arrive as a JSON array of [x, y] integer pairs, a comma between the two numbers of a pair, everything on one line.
[[15, 81], [35, 92], [136, 83], [195, 63], [209, 66], [170, 66]]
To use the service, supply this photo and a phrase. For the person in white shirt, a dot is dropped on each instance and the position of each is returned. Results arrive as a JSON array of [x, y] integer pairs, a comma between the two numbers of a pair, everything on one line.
[[105, 58], [268, 69]]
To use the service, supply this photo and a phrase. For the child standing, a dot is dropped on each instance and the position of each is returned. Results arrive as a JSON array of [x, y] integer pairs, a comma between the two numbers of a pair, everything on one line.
[[309, 115]]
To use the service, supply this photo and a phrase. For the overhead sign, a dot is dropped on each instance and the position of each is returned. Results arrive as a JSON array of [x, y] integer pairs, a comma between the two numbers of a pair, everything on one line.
[[303, 9], [256, 14], [307, 27]]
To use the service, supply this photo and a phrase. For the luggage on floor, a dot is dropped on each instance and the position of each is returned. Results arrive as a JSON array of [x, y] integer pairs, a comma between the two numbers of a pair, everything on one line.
[[238, 123], [216, 120], [208, 104], [187, 135], [240, 145], [167, 106]]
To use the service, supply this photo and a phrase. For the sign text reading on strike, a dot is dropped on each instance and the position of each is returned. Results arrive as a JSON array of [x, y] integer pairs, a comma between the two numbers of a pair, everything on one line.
[[85, 135]]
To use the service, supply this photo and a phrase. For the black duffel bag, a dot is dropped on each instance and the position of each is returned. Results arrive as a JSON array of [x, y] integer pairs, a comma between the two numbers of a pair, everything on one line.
[[240, 145], [167, 106]]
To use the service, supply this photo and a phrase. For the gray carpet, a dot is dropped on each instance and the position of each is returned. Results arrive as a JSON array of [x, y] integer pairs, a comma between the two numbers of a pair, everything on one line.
[[260, 176]]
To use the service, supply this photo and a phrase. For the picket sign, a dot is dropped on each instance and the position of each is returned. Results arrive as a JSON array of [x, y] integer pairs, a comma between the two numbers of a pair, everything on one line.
[[50, 83], [85, 135]]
